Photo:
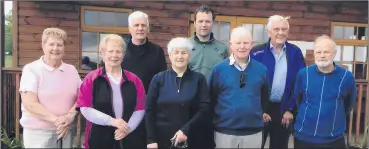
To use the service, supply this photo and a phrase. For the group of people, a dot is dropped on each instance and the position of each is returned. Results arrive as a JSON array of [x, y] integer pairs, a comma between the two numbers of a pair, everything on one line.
[[213, 96]]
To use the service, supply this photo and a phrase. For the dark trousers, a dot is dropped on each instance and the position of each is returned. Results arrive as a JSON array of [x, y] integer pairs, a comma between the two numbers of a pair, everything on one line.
[[279, 134], [339, 144]]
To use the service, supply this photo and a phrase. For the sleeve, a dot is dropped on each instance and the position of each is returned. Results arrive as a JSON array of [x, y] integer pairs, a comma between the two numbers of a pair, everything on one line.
[[85, 92], [295, 98], [202, 104], [28, 81], [350, 99], [213, 89], [162, 65], [96, 116], [139, 112], [150, 109], [265, 92], [300, 65]]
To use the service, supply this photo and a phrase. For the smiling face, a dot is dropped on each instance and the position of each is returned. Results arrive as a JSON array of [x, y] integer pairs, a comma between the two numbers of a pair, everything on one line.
[[241, 44], [53, 48], [278, 31], [112, 53], [139, 28], [179, 58]]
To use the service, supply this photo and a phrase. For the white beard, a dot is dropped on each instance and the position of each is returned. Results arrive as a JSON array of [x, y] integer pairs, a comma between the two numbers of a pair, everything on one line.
[[323, 63]]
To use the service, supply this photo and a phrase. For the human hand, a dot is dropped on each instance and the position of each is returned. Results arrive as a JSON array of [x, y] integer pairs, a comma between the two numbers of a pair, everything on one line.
[[119, 134], [121, 124], [62, 131], [152, 145], [287, 118], [266, 118], [179, 137]]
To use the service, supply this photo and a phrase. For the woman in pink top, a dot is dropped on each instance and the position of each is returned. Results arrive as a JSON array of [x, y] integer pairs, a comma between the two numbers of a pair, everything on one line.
[[49, 90], [112, 100]]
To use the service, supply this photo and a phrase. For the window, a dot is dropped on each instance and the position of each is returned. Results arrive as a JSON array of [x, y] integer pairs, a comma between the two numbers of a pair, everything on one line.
[[351, 47], [97, 22], [224, 24]]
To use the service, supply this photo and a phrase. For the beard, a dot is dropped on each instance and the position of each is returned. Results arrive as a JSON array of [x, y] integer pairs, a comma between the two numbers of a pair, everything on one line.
[[323, 63]]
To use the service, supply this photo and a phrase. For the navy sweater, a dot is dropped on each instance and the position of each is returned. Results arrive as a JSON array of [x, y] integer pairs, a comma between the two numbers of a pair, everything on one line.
[[295, 62], [238, 111], [326, 99]]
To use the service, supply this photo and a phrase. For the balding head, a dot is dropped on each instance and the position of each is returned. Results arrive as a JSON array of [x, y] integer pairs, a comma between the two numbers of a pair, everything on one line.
[[324, 51], [240, 43]]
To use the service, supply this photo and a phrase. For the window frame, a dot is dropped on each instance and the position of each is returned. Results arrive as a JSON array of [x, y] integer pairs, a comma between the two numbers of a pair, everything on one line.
[[352, 42]]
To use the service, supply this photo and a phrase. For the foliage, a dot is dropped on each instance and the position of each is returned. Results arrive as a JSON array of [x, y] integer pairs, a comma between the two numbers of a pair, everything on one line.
[[11, 143], [8, 33]]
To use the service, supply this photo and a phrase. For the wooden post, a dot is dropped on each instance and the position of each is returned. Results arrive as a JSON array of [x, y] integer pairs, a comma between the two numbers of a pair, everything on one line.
[[2, 60]]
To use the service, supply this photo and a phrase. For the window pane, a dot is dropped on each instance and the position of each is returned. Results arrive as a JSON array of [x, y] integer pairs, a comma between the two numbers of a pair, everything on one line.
[[224, 28], [89, 60], [347, 66], [106, 18], [360, 71], [338, 53], [348, 53], [258, 32], [248, 26], [360, 54], [215, 30], [266, 35], [349, 33], [90, 41], [338, 32], [91, 17], [122, 19]]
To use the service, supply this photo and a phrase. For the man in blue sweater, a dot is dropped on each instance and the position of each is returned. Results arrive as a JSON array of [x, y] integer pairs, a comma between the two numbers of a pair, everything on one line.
[[239, 95], [328, 94], [283, 61]]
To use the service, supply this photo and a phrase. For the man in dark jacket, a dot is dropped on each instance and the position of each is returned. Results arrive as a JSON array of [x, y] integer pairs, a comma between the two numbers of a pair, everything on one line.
[[283, 60], [144, 59]]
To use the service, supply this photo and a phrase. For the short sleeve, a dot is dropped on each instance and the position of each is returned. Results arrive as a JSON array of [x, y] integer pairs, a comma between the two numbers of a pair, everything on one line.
[[28, 81]]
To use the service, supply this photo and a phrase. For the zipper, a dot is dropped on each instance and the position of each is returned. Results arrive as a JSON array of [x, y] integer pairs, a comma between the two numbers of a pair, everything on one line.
[[179, 84]]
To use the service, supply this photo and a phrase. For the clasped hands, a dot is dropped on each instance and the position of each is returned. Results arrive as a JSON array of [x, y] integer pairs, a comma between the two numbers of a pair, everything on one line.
[[62, 124], [122, 128]]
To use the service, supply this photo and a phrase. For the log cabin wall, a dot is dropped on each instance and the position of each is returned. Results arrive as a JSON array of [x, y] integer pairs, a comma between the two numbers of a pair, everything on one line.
[[171, 19]]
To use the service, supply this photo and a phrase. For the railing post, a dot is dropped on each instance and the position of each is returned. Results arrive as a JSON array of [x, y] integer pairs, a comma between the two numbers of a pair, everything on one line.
[[2, 57]]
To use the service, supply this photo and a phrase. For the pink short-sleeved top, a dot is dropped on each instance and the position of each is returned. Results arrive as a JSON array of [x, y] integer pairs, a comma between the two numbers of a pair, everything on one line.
[[56, 89]]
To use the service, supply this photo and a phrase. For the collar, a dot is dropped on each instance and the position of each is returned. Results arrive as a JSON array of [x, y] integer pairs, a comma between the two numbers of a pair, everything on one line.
[[334, 69], [211, 39], [283, 47], [232, 60], [49, 68], [188, 70]]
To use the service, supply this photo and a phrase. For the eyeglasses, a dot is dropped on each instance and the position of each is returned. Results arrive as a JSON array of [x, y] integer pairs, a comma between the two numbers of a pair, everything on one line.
[[242, 79]]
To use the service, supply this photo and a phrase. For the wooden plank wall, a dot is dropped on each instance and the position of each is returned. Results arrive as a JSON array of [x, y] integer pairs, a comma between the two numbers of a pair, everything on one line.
[[171, 19]]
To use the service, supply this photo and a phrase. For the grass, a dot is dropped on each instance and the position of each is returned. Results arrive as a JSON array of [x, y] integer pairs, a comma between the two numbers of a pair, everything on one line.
[[8, 61]]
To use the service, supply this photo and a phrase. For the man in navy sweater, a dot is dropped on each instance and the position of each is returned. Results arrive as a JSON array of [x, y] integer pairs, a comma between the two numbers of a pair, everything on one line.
[[239, 95], [328, 94], [283, 61]]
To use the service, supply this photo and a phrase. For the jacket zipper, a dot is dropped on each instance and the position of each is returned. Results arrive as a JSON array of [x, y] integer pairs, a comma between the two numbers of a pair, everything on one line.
[[179, 84]]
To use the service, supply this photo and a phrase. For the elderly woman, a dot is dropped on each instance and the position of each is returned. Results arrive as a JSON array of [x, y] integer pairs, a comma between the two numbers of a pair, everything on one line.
[[111, 99], [176, 101], [49, 90]]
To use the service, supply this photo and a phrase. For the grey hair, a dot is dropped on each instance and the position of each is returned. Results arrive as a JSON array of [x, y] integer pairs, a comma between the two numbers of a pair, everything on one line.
[[325, 37], [180, 43], [112, 37], [277, 18], [137, 15], [239, 31]]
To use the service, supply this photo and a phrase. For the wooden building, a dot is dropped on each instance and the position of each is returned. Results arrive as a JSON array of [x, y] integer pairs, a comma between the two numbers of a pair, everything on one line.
[[86, 22]]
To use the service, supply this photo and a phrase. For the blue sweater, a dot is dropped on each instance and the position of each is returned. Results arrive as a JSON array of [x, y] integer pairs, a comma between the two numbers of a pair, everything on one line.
[[238, 111], [326, 99], [295, 62]]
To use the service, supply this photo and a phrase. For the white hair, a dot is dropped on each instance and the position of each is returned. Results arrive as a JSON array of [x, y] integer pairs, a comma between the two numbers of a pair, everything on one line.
[[137, 15], [240, 31], [180, 43], [277, 18], [325, 37]]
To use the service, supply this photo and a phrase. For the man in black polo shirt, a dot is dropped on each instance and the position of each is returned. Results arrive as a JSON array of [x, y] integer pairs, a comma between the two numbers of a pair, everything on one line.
[[143, 58]]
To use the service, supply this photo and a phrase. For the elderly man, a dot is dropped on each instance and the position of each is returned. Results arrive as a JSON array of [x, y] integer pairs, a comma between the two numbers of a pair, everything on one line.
[[239, 95], [283, 61], [206, 54], [144, 59], [328, 93]]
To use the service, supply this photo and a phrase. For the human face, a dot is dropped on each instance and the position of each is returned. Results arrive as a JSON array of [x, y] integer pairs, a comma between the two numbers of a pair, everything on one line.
[[241, 45], [179, 58], [53, 48], [203, 24], [139, 29], [278, 32], [324, 53], [113, 54]]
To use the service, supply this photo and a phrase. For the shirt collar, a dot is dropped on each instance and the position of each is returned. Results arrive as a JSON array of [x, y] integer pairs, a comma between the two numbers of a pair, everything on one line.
[[61, 67], [283, 47], [232, 60]]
